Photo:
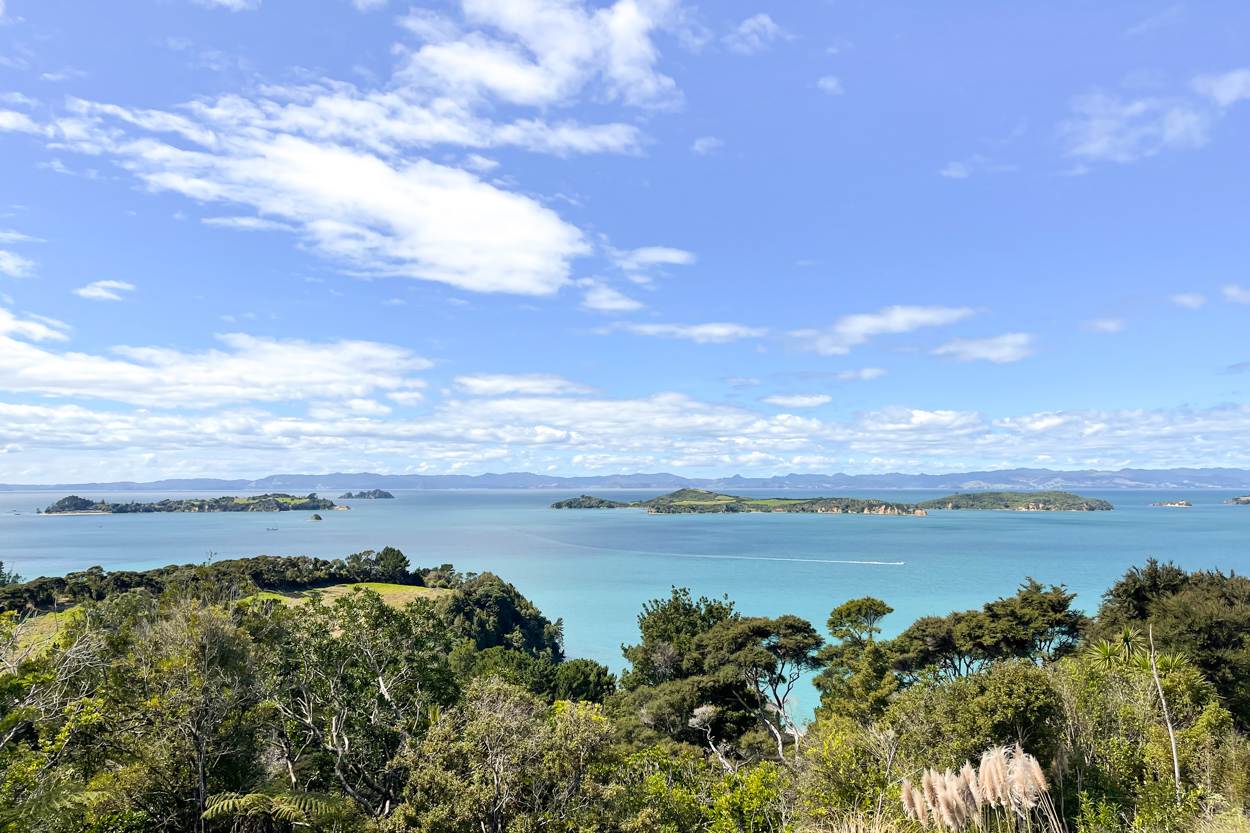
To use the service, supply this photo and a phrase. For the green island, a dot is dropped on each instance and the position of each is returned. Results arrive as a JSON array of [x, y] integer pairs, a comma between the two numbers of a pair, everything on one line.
[[701, 501], [278, 694], [372, 494], [1019, 502], [277, 502]]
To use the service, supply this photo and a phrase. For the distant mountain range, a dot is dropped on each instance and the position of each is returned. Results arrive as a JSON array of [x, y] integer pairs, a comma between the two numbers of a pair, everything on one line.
[[1003, 479]]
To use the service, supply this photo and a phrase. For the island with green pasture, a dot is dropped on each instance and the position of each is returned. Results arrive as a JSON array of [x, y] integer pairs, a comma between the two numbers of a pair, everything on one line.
[[1019, 502], [701, 501], [276, 502], [372, 494]]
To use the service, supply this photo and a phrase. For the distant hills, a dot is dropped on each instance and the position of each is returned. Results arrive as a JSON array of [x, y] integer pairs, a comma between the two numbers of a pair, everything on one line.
[[1003, 479]]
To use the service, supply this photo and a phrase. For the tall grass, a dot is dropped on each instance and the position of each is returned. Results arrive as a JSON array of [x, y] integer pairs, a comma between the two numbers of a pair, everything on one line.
[[1008, 791]]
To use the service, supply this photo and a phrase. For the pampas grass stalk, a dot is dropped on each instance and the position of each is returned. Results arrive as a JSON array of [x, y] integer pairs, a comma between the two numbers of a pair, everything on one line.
[[1009, 789]]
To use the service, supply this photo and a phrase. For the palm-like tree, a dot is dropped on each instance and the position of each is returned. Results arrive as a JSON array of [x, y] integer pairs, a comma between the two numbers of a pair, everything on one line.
[[266, 813]]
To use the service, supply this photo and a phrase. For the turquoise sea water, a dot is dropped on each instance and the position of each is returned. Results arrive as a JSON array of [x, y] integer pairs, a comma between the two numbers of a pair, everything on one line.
[[596, 568]]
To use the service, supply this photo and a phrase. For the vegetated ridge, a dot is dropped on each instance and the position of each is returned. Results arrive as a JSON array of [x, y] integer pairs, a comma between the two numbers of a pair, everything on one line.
[[371, 494], [277, 502]]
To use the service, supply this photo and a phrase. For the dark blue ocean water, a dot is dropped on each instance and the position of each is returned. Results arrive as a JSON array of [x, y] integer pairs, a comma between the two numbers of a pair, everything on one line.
[[594, 569]]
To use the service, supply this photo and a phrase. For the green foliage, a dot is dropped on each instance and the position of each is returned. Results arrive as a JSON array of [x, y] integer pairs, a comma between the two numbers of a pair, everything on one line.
[[948, 721], [489, 612], [1037, 624], [1019, 501], [1203, 615], [857, 680], [164, 704]]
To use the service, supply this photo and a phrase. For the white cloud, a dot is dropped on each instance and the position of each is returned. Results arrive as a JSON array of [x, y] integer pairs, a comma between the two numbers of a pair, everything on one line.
[[230, 5], [1105, 325], [1112, 129], [863, 374], [34, 328], [640, 260], [711, 333], [248, 369], [14, 265], [481, 164], [248, 224], [15, 122], [1236, 293], [1226, 89], [853, 330], [755, 34], [416, 219], [798, 400], [1189, 300], [525, 384], [104, 290], [544, 52], [705, 145], [973, 165], [368, 5], [606, 299], [341, 164], [830, 85], [1003, 349]]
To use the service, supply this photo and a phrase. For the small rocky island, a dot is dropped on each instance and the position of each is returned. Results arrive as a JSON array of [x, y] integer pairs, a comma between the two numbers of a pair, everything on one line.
[[1244, 500], [1019, 502], [372, 494], [75, 505], [1173, 504], [700, 501]]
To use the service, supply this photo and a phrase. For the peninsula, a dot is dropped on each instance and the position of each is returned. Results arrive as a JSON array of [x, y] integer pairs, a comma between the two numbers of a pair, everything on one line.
[[1019, 502], [75, 505], [372, 494], [700, 501]]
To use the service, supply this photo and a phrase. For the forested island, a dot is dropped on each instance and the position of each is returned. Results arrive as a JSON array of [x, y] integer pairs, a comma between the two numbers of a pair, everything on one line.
[[700, 501], [372, 494], [363, 695], [1019, 502], [75, 505]]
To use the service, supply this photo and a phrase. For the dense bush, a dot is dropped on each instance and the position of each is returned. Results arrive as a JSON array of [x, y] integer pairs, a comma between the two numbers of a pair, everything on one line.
[[177, 700]]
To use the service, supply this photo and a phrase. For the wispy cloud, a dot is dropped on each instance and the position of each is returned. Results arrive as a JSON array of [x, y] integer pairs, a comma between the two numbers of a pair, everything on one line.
[[1236, 293], [1105, 325], [602, 298], [1003, 349], [1106, 127], [853, 330], [798, 400], [104, 290], [710, 333], [863, 374], [350, 168], [830, 85], [14, 265], [528, 384], [1189, 300], [705, 145], [755, 34]]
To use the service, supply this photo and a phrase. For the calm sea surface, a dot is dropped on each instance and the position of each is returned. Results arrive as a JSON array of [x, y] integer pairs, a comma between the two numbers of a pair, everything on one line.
[[594, 569]]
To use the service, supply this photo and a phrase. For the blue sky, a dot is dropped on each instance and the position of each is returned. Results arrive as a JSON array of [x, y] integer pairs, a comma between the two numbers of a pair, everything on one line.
[[240, 237]]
